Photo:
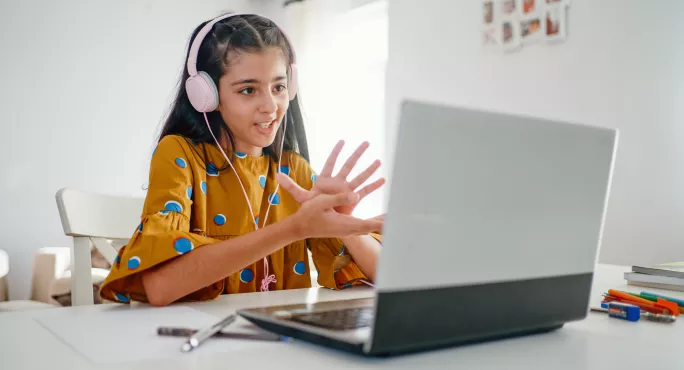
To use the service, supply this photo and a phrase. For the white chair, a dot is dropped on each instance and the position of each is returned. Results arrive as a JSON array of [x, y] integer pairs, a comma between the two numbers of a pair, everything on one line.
[[19, 304], [98, 219]]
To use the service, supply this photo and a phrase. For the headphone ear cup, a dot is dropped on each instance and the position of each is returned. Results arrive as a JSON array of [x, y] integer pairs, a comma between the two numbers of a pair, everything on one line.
[[293, 86], [202, 92]]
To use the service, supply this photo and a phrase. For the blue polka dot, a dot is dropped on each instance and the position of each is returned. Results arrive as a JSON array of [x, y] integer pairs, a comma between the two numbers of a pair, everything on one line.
[[173, 206], [164, 212], [262, 181], [274, 198], [133, 263], [203, 186], [299, 268], [285, 170], [117, 259], [246, 275], [180, 162], [257, 220], [219, 219], [140, 227], [182, 245], [212, 170], [240, 155], [155, 150], [313, 178], [121, 298], [189, 192]]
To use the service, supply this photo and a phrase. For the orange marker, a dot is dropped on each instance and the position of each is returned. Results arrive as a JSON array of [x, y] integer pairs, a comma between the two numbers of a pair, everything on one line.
[[670, 306]]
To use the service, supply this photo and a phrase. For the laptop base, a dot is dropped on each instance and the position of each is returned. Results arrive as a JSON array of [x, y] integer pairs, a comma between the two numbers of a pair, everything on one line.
[[426, 319], [339, 345], [306, 336]]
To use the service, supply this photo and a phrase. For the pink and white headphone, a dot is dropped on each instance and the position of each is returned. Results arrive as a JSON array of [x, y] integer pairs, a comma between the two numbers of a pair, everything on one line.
[[204, 97], [202, 91]]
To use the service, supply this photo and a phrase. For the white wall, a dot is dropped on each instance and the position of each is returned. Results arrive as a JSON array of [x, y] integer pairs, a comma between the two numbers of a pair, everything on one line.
[[85, 85], [622, 67]]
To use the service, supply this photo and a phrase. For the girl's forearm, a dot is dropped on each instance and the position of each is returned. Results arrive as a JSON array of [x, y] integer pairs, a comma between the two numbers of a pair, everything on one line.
[[365, 250], [211, 263]]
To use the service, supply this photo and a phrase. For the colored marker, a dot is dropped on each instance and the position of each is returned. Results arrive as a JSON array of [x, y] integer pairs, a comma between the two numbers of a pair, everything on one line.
[[671, 306], [653, 296]]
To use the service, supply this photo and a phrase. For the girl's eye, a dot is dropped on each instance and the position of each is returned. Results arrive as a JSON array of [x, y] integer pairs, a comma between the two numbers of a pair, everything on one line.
[[247, 91], [280, 88]]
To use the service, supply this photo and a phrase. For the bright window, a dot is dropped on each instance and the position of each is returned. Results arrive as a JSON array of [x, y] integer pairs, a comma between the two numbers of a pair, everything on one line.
[[342, 80]]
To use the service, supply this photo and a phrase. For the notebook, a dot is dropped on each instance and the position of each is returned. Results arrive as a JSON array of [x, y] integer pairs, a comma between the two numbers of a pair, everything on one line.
[[672, 269], [655, 281]]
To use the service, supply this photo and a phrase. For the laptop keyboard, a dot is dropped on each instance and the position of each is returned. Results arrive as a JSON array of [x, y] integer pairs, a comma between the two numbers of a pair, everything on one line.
[[343, 319]]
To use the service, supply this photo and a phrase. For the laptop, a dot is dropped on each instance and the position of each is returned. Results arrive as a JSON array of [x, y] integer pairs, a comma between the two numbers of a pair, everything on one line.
[[493, 227]]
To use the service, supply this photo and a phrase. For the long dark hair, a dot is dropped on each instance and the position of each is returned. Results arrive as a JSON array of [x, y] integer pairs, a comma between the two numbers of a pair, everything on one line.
[[251, 33]]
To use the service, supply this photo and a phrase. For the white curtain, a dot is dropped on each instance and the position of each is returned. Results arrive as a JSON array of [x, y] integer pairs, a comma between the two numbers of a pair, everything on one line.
[[341, 48]]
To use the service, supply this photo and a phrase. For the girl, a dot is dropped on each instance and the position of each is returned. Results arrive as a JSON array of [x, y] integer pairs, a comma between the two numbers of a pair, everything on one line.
[[215, 219]]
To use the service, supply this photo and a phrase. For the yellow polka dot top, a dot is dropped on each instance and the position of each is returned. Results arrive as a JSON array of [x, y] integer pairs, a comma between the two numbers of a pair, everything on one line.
[[195, 199]]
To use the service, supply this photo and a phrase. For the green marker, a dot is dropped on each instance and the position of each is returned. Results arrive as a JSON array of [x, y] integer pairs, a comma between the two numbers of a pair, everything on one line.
[[654, 297]]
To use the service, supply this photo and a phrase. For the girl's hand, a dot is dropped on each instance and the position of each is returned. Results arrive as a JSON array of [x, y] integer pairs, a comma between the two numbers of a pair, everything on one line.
[[327, 184], [317, 218]]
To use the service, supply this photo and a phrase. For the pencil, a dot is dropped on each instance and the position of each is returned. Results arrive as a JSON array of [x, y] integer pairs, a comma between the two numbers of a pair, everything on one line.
[[186, 332]]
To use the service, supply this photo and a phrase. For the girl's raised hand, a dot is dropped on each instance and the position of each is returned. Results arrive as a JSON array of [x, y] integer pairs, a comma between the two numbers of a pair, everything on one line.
[[326, 183], [317, 218]]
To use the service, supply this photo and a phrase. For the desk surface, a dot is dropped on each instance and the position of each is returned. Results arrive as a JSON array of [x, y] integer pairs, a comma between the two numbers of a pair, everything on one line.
[[594, 343]]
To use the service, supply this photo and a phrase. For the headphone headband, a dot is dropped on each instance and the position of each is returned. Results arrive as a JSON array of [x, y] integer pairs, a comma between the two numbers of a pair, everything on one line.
[[197, 42], [202, 91]]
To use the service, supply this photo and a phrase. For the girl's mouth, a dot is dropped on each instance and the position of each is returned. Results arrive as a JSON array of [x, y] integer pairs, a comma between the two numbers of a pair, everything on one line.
[[265, 128]]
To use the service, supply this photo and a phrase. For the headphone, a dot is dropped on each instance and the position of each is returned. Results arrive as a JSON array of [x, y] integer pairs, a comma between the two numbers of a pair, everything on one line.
[[203, 95], [202, 90]]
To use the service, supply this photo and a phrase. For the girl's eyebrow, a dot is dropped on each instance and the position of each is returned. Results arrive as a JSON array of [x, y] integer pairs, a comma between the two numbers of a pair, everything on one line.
[[256, 81]]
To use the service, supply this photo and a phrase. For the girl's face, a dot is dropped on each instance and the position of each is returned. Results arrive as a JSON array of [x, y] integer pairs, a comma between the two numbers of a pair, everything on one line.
[[253, 98]]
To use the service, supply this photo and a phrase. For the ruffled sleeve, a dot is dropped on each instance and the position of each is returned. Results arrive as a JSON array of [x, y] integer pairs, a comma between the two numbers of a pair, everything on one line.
[[164, 232], [335, 266]]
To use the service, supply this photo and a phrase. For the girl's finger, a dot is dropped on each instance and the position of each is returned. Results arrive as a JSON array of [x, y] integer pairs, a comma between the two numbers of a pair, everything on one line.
[[365, 175], [298, 193], [379, 217], [351, 162], [332, 158], [361, 227], [368, 189]]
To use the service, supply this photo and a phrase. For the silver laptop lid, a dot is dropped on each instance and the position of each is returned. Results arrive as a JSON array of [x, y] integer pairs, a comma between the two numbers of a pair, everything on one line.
[[480, 197]]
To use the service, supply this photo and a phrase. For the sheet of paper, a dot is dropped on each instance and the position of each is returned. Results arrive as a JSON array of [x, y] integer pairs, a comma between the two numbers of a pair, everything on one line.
[[125, 334]]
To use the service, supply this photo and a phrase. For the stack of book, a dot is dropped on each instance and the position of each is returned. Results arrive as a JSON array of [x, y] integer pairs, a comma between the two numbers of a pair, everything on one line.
[[665, 276]]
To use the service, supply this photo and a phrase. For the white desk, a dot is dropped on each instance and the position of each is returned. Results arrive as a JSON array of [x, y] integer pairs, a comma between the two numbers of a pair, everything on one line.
[[597, 342]]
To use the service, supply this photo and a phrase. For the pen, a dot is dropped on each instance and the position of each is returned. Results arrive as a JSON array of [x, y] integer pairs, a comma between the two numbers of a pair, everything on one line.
[[186, 332], [648, 295], [654, 298], [196, 339]]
